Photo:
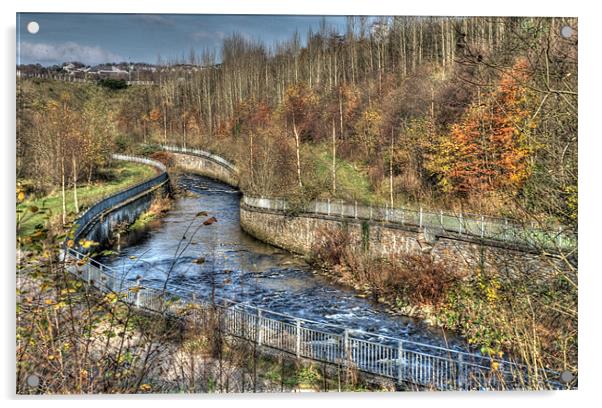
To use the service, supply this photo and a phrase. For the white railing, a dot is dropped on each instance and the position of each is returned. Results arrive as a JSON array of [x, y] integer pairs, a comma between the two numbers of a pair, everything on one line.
[[141, 160], [405, 361], [498, 229], [202, 153], [106, 203], [492, 228]]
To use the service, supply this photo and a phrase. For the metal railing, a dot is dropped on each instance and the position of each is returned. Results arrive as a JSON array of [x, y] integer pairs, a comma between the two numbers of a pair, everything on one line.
[[498, 229], [492, 228], [111, 201], [404, 361], [202, 153]]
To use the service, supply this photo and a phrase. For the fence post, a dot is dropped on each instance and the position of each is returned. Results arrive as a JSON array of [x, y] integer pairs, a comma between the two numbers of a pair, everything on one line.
[[399, 361], [114, 275], [482, 226], [387, 212], [328, 210], [355, 210], [420, 223], [258, 327], [342, 209], [370, 211], [460, 374], [346, 346], [441, 218], [139, 287], [298, 343]]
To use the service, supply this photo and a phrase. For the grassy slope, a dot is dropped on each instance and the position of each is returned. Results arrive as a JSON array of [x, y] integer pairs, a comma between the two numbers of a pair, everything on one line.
[[120, 175], [352, 181]]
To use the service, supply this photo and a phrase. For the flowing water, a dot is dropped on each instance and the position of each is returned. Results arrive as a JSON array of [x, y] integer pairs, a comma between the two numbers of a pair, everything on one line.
[[222, 260]]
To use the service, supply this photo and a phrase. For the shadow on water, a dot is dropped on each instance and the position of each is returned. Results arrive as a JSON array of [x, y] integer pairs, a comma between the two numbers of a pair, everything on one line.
[[224, 260]]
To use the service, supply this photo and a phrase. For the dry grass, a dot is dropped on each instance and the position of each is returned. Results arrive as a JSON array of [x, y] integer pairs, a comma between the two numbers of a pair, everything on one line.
[[417, 278]]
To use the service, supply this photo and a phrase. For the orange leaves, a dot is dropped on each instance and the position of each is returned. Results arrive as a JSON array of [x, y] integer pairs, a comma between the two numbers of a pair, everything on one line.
[[367, 130], [490, 148], [301, 107], [154, 115], [210, 221], [249, 116]]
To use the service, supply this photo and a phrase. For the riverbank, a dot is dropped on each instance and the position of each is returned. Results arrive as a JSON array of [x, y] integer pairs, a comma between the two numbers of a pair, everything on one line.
[[523, 316], [491, 303], [100, 344], [46, 210]]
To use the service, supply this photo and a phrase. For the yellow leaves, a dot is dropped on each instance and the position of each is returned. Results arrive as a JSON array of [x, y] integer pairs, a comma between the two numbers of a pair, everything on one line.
[[145, 388], [20, 195], [82, 262], [490, 288], [87, 244], [48, 301], [495, 365], [491, 294], [135, 289], [111, 297], [571, 194]]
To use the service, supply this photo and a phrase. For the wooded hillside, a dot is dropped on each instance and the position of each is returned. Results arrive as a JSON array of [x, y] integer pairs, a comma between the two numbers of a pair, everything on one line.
[[473, 114]]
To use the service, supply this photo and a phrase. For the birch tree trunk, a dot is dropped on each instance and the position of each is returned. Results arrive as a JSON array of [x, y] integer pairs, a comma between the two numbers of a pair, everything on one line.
[[391, 170], [75, 202], [297, 148], [334, 158], [64, 203]]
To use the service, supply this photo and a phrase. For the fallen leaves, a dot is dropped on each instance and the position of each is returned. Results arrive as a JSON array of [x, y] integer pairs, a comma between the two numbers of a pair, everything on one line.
[[210, 221]]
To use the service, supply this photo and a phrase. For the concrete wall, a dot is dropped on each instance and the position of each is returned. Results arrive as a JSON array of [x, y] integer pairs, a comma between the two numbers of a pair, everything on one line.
[[205, 167], [299, 233], [101, 230]]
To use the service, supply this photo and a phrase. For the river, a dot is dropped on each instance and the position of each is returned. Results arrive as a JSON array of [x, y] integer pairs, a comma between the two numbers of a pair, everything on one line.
[[234, 265]]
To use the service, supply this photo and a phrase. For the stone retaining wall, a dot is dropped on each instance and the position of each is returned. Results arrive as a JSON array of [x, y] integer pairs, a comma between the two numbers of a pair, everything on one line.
[[205, 167], [299, 233]]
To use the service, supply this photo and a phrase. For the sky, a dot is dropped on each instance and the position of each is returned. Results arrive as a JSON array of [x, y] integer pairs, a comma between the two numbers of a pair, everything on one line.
[[99, 38]]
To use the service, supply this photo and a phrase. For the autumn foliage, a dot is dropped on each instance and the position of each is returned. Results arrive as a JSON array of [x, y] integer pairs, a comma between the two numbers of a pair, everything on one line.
[[491, 148], [416, 278]]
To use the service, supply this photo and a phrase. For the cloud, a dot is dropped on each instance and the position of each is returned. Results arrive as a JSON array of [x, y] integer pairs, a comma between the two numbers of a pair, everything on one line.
[[208, 35], [155, 19], [68, 51]]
